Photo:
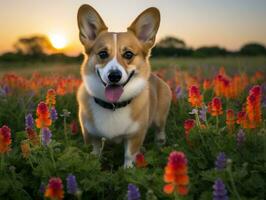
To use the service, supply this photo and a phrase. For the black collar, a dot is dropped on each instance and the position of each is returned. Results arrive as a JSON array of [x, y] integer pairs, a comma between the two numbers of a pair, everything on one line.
[[111, 106]]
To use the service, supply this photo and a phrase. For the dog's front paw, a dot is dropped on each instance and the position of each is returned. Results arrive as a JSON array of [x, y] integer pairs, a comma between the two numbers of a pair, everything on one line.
[[128, 164]]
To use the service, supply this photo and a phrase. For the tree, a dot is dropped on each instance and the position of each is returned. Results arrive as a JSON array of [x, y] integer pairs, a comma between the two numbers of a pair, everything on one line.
[[171, 42], [34, 45], [253, 49], [210, 51]]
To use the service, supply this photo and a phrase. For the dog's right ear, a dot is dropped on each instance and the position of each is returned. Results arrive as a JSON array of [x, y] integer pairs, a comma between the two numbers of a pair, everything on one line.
[[90, 25]]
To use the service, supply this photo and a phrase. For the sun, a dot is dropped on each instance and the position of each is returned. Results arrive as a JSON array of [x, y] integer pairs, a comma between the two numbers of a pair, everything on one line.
[[58, 41]]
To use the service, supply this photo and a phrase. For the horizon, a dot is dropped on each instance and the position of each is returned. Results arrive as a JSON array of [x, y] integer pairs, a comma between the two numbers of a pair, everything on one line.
[[233, 25]]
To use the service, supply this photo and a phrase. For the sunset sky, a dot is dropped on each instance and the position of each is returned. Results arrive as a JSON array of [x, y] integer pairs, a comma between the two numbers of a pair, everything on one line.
[[228, 23]]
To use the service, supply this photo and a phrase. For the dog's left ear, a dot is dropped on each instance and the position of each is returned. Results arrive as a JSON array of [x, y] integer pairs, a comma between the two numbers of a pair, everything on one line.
[[145, 26]]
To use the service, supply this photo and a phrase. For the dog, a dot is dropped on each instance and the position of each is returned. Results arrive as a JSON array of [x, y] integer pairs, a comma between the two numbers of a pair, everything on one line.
[[119, 98]]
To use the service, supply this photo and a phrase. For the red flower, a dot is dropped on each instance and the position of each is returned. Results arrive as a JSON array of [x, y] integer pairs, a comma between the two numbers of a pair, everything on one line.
[[43, 115], [175, 174], [216, 107], [74, 127], [5, 139], [140, 160], [194, 96], [253, 107], [188, 125], [54, 189], [50, 97]]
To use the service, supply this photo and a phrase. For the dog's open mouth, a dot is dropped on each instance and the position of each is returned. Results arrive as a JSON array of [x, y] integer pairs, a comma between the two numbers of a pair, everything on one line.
[[114, 91]]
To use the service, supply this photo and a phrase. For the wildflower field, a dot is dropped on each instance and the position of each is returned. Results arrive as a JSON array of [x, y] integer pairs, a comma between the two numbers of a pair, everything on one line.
[[215, 149]]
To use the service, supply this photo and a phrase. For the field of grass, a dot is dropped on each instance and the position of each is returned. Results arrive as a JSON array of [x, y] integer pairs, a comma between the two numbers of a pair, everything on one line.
[[209, 65], [224, 154]]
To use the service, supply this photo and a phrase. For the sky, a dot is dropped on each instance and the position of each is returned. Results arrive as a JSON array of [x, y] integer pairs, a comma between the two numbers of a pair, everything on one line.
[[227, 23]]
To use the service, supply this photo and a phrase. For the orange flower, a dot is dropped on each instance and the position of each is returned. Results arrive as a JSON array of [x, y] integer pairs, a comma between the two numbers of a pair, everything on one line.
[[207, 84], [230, 119], [54, 189], [50, 97], [175, 174], [5, 139], [241, 118], [253, 107], [229, 87], [25, 149], [216, 107], [43, 115], [32, 135], [194, 96], [140, 160]]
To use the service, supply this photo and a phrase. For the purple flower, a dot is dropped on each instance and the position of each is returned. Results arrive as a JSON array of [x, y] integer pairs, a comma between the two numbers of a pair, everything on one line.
[[202, 113], [219, 190], [72, 185], [29, 121], [241, 137], [263, 102], [220, 162], [53, 114], [46, 136], [133, 192], [4, 90], [178, 92], [42, 188], [263, 99]]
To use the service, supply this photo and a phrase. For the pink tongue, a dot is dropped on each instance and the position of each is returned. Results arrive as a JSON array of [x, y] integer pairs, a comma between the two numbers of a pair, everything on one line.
[[113, 92]]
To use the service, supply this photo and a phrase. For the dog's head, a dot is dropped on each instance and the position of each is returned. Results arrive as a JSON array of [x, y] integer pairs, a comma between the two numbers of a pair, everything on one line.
[[116, 67]]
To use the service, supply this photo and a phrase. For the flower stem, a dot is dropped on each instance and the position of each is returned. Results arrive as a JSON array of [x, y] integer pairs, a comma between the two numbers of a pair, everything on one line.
[[65, 129], [217, 122], [52, 156], [197, 118], [31, 163], [176, 197], [2, 162], [229, 170]]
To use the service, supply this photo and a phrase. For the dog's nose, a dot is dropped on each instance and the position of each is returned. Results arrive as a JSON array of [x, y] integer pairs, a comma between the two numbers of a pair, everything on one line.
[[114, 76]]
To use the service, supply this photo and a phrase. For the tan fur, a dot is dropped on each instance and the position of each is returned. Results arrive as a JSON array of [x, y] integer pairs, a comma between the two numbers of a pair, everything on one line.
[[151, 104]]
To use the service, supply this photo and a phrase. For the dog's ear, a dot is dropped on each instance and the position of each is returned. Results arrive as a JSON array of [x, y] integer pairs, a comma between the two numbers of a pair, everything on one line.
[[90, 25], [145, 26]]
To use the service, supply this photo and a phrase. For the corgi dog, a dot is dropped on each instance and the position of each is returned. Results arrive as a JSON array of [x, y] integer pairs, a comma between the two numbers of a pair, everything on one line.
[[119, 97]]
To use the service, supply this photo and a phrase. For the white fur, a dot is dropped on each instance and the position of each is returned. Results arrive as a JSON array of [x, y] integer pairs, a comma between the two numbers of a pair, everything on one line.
[[111, 124], [129, 157], [133, 88]]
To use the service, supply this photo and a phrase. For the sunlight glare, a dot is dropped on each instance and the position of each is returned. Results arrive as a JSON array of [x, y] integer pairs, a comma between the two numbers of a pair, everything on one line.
[[58, 41]]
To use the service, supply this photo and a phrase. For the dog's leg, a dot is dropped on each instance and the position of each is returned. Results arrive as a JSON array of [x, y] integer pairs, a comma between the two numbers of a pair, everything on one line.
[[132, 147], [96, 146], [160, 119], [96, 143]]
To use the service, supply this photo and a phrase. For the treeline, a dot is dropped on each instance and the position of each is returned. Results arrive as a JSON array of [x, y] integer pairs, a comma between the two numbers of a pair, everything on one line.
[[174, 47], [39, 48]]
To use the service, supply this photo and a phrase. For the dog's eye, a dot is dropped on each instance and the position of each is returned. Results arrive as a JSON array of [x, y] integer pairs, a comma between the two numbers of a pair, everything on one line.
[[128, 55], [103, 54]]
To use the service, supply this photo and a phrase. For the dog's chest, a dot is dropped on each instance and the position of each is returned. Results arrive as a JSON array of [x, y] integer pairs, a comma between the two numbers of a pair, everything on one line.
[[111, 124]]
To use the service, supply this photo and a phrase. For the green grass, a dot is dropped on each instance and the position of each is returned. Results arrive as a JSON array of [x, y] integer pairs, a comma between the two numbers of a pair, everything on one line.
[[208, 65]]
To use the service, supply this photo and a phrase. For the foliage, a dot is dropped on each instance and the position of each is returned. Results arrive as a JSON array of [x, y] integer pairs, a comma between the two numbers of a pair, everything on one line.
[[34, 45]]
